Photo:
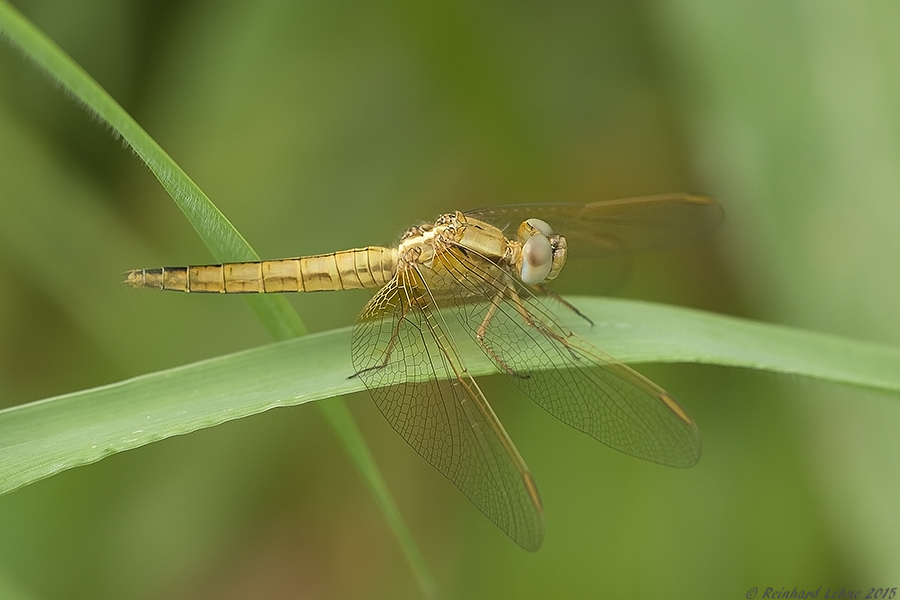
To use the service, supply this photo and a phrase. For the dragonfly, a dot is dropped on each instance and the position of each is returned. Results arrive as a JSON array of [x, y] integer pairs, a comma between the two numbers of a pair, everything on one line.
[[486, 271]]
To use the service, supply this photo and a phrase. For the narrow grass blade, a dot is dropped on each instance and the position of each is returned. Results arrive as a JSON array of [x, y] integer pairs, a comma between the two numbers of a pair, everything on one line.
[[224, 241]]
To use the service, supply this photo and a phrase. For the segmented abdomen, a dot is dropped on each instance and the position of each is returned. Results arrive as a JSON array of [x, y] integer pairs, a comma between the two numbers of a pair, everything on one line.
[[370, 267]]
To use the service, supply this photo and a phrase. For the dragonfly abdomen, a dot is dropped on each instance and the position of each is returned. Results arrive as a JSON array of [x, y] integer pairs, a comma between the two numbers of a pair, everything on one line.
[[370, 267]]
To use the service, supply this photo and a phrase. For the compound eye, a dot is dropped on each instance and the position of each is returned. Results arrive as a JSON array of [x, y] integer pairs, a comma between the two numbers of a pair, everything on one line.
[[537, 257], [541, 226]]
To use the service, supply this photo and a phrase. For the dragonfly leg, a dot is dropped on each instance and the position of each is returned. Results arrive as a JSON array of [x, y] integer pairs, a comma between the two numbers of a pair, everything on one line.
[[562, 301], [482, 331], [395, 334], [526, 316]]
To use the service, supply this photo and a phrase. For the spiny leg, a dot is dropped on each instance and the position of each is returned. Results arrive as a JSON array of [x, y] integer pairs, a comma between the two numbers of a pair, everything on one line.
[[540, 327], [564, 302], [482, 331], [395, 335]]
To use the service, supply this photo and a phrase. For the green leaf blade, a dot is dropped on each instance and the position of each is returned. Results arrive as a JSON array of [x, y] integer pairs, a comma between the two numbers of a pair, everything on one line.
[[43, 438]]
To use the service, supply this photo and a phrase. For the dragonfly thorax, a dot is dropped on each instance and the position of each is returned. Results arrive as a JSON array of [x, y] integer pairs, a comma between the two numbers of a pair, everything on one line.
[[538, 255], [418, 244]]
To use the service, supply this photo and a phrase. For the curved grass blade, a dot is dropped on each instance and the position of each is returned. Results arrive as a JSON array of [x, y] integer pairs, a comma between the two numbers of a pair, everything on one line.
[[40, 439]]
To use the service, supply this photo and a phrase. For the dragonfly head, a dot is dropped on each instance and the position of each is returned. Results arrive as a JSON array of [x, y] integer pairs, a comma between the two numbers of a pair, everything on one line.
[[543, 252]]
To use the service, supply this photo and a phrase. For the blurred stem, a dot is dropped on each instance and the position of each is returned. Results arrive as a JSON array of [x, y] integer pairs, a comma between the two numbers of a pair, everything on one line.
[[337, 413], [220, 236]]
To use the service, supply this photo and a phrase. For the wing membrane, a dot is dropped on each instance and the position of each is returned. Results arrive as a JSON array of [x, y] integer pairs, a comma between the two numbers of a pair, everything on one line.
[[406, 358], [580, 385], [614, 226], [405, 355]]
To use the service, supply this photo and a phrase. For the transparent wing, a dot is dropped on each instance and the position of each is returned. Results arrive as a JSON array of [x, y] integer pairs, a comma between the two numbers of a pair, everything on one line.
[[580, 385], [403, 353], [613, 226]]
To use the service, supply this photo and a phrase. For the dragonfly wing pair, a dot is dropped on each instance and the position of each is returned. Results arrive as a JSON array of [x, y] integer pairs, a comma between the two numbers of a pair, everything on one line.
[[404, 353], [573, 380]]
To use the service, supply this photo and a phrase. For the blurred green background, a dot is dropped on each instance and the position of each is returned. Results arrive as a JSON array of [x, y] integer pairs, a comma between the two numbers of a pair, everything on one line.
[[318, 126]]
